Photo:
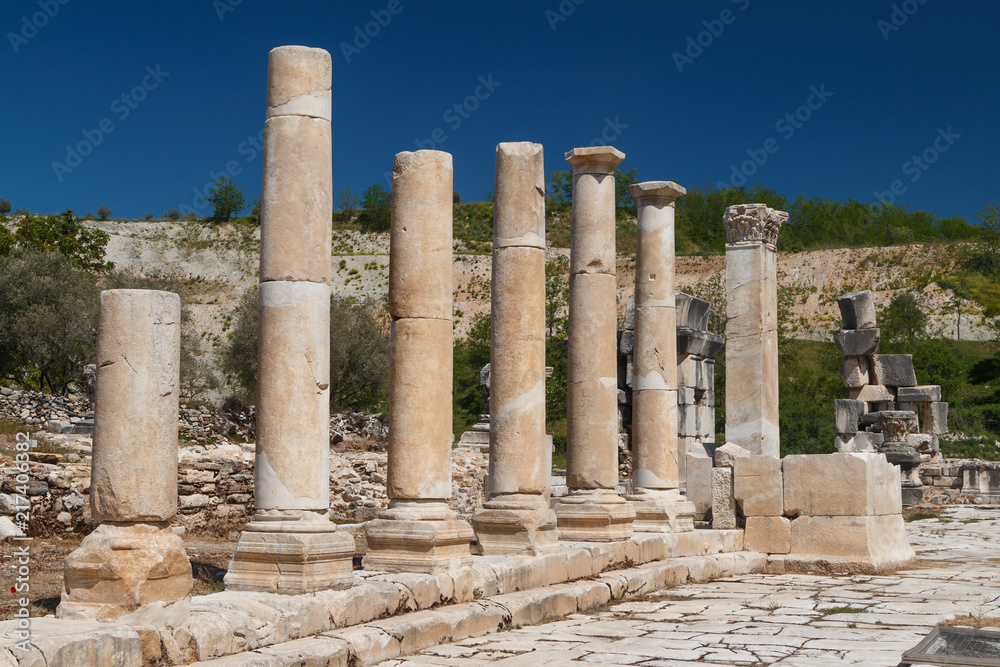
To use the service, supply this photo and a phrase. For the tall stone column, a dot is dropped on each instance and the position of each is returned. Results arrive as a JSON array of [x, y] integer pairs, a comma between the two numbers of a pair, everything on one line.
[[419, 532], [516, 519], [752, 327], [291, 546], [592, 511], [132, 558], [656, 470]]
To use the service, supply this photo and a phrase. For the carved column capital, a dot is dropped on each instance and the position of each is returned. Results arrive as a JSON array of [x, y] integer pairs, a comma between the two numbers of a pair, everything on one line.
[[753, 223]]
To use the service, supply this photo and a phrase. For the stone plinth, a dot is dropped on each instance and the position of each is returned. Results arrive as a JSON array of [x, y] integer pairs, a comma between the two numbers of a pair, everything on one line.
[[656, 472], [419, 532], [592, 511], [291, 546], [752, 327], [132, 559], [516, 519]]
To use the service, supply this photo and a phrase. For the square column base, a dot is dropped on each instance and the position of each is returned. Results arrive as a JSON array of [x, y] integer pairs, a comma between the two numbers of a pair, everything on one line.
[[661, 511], [122, 567], [587, 515], [412, 536], [291, 557], [516, 525]]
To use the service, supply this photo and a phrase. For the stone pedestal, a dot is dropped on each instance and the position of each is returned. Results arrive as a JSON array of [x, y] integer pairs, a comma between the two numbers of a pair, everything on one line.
[[418, 532], [132, 559], [291, 546], [516, 519], [656, 471], [592, 511], [752, 327]]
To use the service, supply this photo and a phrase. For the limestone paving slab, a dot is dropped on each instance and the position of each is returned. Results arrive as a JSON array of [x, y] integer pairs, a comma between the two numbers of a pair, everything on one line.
[[789, 620]]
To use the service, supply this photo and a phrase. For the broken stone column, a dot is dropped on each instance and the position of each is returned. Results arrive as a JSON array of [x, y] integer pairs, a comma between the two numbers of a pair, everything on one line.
[[516, 518], [657, 461], [132, 559], [418, 532], [291, 546], [897, 425], [752, 327], [592, 511]]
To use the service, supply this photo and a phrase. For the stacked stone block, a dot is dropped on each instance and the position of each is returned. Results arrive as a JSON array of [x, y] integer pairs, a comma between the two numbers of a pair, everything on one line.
[[881, 384]]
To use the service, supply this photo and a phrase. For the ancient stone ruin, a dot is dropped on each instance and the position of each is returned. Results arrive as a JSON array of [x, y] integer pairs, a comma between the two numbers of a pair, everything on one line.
[[292, 591]]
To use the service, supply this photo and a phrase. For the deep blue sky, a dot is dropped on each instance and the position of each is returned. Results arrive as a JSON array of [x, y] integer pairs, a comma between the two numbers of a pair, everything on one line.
[[890, 96]]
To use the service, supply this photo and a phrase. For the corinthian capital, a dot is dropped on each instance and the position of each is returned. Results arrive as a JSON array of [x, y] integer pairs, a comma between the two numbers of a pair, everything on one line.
[[753, 222]]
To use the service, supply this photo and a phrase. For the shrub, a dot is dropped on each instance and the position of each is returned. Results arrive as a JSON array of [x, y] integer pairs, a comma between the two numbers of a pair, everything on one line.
[[173, 214], [104, 213]]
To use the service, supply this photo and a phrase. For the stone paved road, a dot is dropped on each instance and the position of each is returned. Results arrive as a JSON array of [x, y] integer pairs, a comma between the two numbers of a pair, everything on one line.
[[787, 620]]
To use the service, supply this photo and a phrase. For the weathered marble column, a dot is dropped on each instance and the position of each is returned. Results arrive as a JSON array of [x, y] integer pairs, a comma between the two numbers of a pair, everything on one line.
[[291, 546], [657, 461], [752, 327], [593, 511], [132, 558], [419, 532], [516, 519]]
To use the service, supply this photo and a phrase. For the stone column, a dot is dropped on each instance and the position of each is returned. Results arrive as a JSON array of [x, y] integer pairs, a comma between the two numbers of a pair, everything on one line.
[[516, 519], [132, 558], [592, 511], [419, 532], [752, 327], [657, 461], [291, 546]]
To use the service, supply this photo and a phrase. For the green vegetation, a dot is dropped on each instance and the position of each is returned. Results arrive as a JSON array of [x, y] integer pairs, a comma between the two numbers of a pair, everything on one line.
[[104, 213], [376, 202], [4, 206], [226, 199], [63, 234], [842, 610], [920, 516], [359, 353]]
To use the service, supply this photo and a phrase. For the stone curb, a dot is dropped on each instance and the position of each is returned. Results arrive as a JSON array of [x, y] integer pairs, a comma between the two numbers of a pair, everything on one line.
[[372, 643]]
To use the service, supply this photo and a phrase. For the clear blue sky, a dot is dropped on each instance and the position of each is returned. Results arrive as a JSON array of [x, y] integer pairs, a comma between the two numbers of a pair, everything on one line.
[[554, 81]]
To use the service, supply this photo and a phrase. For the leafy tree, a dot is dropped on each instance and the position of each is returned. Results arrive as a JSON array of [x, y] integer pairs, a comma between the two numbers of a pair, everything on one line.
[[227, 199], [903, 321], [456, 198], [989, 246], [556, 296], [150, 217], [347, 202], [173, 214], [359, 352], [255, 211], [559, 191], [624, 204], [376, 201], [4, 206], [48, 319], [66, 235], [190, 216], [471, 353], [104, 213]]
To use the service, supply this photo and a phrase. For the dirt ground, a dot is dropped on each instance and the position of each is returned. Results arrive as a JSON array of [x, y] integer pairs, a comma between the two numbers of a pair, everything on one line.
[[209, 560]]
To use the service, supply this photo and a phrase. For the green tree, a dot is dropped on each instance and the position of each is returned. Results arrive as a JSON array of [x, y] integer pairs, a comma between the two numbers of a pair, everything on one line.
[[255, 211], [64, 234], [5, 206], [104, 213], [472, 352], [226, 199], [376, 201], [903, 321], [173, 214], [989, 246], [624, 204], [359, 353], [559, 191], [48, 319], [347, 202]]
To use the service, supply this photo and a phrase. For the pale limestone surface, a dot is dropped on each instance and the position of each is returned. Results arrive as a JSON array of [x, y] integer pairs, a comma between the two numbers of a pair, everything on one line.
[[291, 546], [768, 534], [134, 465], [419, 532], [516, 519], [751, 327], [757, 486], [781, 620], [723, 501], [841, 484]]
